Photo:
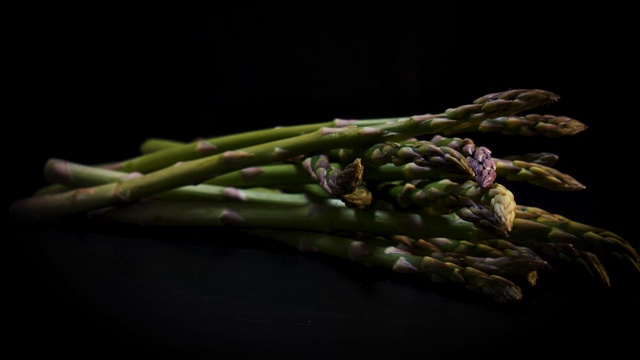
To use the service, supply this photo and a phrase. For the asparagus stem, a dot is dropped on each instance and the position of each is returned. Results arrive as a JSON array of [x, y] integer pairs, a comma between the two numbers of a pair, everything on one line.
[[533, 222], [540, 158], [550, 126], [290, 174], [528, 125], [335, 218], [421, 153], [202, 148], [199, 170], [74, 175], [470, 161], [536, 174], [495, 257], [492, 210], [498, 288], [151, 145], [467, 146], [556, 252]]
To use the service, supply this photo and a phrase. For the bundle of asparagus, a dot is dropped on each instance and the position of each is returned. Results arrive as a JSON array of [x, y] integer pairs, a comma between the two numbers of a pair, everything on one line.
[[400, 193]]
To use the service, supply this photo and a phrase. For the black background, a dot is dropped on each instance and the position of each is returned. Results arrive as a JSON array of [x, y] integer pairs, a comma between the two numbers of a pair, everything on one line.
[[94, 82]]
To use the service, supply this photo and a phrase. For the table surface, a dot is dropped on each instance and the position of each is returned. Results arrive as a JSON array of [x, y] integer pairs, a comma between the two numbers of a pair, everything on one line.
[[183, 292]]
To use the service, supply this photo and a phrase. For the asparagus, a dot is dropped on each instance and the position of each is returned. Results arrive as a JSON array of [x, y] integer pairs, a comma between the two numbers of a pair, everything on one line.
[[550, 126], [471, 160], [178, 152], [290, 174], [497, 256], [556, 252], [345, 184], [467, 146], [533, 222], [528, 125], [422, 153], [493, 209], [498, 288], [329, 217], [536, 168], [336, 181], [197, 171], [173, 152], [73, 175], [540, 158], [280, 183], [497, 216]]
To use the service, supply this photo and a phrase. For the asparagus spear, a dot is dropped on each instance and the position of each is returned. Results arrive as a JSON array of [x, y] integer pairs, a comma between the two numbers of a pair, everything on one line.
[[344, 184], [290, 174], [474, 161], [496, 256], [73, 175], [536, 168], [498, 288], [467, 146], [177, 152], [533, 222], [421, 153], [493, 209], [556, 252], [540, 158], [330, 218], [550, 126], [528, 125], [199, 170]]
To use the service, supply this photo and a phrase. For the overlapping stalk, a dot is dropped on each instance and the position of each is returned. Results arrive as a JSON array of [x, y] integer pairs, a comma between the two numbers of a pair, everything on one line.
[[399, 193]]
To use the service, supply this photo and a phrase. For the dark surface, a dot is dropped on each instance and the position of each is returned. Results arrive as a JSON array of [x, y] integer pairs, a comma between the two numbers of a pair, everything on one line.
[[93, 87]]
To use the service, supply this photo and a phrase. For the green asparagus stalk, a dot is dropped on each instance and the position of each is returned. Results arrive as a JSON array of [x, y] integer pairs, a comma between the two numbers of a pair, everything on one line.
[[550, 126], [534, 168], [497, 288], [327, 217], [477, 162], [495, 257], [555, 252], [533, 222], [528, 125], [421, 153], [536, 174], [196, 171], [177, 152], [73, 175], [540, 158], [478, 157], [492, 210], [290, 174], [151, 145]]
